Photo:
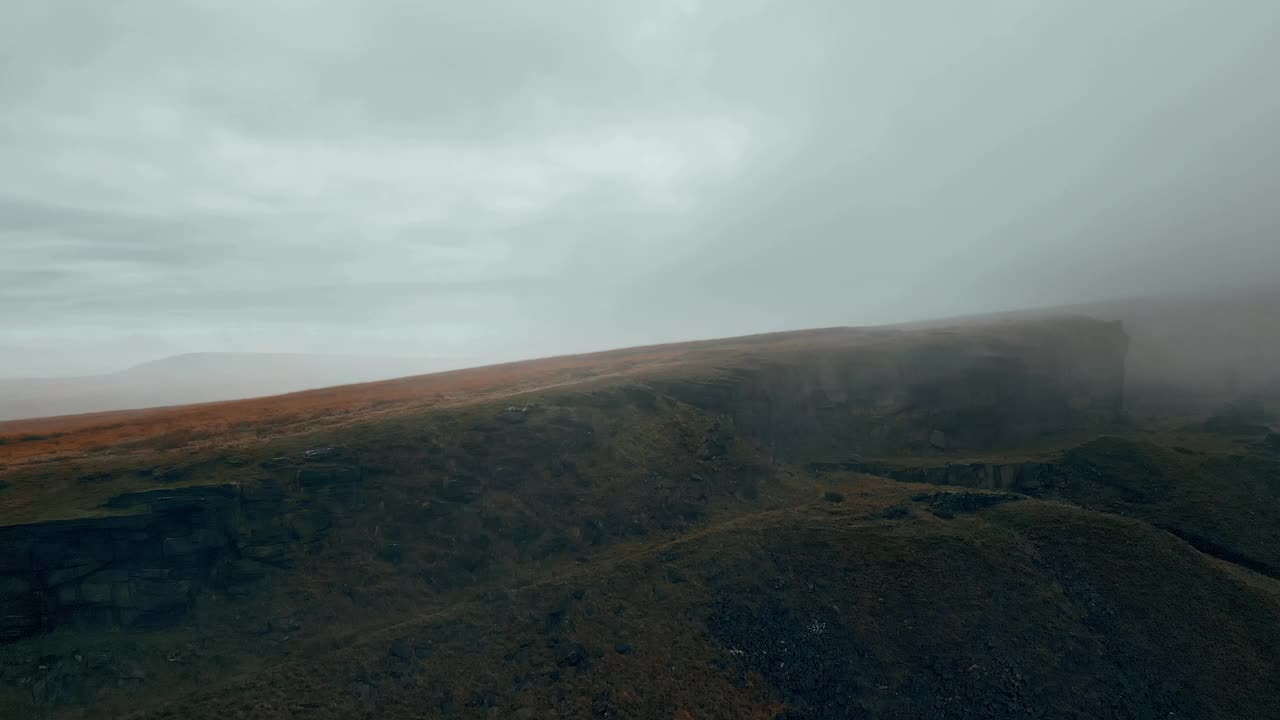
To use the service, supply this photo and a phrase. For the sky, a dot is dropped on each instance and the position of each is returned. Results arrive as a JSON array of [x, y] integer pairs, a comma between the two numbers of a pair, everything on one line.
[[495, 180]]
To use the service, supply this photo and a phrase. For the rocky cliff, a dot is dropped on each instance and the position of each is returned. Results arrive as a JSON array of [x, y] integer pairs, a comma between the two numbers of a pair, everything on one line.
[[145, 565], [926, 391]]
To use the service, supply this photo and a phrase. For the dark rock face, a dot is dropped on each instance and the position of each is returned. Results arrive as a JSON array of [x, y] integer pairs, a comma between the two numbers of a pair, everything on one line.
[[947, 504], [194, 495], [1030, 478], [133, 569], [923, 391], [144, 569]]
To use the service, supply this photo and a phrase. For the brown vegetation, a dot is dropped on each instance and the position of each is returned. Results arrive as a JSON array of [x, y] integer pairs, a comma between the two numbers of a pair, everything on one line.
[[688, 531], [44, 439]]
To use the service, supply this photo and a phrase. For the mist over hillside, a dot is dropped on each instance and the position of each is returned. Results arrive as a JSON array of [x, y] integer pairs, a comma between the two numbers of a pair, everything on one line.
[[1190, 351], [1205, 348]]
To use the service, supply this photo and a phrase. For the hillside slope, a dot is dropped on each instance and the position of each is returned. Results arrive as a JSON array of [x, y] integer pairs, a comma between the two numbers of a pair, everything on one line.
[[712, 530], [195, 378], [825, 611]]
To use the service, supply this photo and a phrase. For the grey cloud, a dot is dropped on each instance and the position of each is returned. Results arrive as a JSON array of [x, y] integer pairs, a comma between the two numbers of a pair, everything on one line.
[[71, 234], [26, 280], [514, 179], [18, 215], [1049, 161]]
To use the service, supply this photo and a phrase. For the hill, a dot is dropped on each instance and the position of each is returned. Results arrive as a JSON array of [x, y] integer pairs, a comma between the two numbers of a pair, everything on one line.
[[943, 522], [1197, 351], [196, 378]]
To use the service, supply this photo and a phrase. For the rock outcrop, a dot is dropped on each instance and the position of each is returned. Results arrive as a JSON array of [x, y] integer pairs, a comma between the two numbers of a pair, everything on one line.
[[1030, 477], [122, 570], [144, 566]]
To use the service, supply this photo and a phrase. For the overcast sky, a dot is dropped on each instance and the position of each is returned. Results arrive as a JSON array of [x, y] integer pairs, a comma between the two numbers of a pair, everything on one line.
[[504, 179]]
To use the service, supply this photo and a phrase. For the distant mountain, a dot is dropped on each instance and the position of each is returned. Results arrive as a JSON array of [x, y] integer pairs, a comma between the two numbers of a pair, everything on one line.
[[77, 358], [201, 377]]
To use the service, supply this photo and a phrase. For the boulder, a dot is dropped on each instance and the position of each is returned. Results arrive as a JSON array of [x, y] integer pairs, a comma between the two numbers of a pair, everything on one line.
[[316, 477], [198, 496], [273, 554]]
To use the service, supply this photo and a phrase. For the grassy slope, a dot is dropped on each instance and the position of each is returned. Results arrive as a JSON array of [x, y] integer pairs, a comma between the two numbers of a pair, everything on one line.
[[607, 522], [1029, 605], [62, 467], [144, 434], [1219, 492], [1026, 608], [1227, 502]]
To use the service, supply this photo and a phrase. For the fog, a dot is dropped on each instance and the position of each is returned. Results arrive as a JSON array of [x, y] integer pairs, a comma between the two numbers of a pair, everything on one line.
[[491, 181]]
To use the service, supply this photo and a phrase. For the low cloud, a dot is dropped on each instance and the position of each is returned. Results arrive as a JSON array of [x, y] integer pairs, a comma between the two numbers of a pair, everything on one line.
[[510, 180]]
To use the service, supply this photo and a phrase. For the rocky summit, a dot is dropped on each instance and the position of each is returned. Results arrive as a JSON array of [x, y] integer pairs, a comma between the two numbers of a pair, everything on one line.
[[940, 522]]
